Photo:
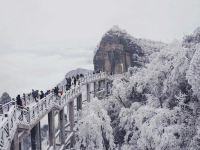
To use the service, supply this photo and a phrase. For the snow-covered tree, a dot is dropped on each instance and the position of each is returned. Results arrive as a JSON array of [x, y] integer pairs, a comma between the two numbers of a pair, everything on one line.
[[94, 130]]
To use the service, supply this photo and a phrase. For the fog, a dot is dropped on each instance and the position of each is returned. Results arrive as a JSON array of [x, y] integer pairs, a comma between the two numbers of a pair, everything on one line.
[[41, 40]]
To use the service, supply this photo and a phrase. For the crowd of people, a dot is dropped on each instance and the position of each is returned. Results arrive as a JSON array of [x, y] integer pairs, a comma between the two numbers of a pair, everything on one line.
[[73, 81], [36, 95]]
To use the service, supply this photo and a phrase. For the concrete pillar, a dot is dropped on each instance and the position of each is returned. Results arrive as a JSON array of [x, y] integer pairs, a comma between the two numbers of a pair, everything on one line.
[[107, 87], [1, 109], [21, 146], [79, 102], [99, 85], [71, 120], [51, 129], [36, 137], [62, 126], [15, 142], [104, 83], [94, 89], [88, 92]]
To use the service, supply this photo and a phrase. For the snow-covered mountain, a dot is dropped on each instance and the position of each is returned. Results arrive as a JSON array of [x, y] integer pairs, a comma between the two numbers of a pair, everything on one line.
[[155, 108]]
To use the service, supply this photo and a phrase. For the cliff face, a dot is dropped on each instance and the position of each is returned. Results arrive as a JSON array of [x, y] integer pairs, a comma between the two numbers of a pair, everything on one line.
[[118, 51]]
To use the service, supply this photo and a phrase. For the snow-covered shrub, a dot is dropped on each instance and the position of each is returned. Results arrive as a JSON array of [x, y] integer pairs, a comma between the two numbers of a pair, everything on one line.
[[165, 76], [121, 90], [94, 130], [156, 128], [113, 107]]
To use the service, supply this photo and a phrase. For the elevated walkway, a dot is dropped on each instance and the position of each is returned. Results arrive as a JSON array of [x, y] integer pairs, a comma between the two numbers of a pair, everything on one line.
[[18, 122]]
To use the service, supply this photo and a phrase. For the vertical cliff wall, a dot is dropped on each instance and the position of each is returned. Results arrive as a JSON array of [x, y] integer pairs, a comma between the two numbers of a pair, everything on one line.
[[118, 51]]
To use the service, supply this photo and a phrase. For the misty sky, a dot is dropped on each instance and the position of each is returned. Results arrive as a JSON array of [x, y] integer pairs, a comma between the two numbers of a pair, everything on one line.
[[41, 40]]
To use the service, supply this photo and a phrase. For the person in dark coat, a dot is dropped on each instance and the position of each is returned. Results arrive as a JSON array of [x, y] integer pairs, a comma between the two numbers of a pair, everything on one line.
[[67, 84], [70, 82], [47, 93], [66, 80], [77, 77], [19, 100], [24, 98], [75, 81], [41, 94], [35, 95], [67, 87], [81, 75], [56, 90]]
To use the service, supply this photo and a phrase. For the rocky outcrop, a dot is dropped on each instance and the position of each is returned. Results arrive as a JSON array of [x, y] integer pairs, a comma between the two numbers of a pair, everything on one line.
[[192, 39], [118, 51]]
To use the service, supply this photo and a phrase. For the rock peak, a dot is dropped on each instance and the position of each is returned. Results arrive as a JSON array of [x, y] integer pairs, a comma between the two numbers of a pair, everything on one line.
[[197, 31], [118, 51], [193, 38], [116, 28]]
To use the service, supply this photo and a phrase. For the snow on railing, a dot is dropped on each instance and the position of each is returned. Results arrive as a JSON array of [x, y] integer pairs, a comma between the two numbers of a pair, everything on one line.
[[23, 116], [8, 127], [12, 122], [6, 107], [4, 134], [13, 115]]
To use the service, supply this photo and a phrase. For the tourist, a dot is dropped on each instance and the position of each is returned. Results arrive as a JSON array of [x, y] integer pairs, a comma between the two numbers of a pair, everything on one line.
[[35, 95], [19, 101], [75, 81], [41, 94], [81, 75], [56, 90]]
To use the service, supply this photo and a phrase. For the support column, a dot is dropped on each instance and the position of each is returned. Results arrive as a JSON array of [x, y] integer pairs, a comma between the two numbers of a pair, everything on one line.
[[51, 129], [36, 137], [62, 126], [15, 145], [104, 83], [71, 120], [94, 89], [99, 85], [79, 102], [107, 87], [20, 146], [88, 92]]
